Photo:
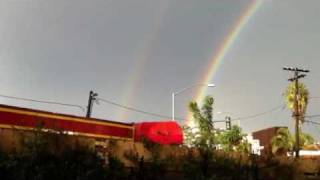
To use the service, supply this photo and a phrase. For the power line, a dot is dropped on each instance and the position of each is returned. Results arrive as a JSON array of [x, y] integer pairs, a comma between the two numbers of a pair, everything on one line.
[[218, 121], [134, 109], [260, 114], [312, 116], [313, 122], [137, 110], [43, 101], [146, 112], [312, 119], [165, 116]]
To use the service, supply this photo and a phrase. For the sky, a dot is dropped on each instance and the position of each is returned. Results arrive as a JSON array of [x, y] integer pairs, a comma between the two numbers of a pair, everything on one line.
[[136, 53]]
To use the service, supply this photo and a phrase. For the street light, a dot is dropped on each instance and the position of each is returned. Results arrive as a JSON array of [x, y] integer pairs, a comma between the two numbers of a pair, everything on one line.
[[184, 89]]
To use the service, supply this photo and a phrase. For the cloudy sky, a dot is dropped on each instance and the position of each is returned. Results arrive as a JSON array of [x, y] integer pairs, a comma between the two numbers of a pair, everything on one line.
[[136, 53]]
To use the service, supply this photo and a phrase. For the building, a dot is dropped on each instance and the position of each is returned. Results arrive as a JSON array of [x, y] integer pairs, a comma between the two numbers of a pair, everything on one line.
[[15, 120], [265, 136], [255, 145]]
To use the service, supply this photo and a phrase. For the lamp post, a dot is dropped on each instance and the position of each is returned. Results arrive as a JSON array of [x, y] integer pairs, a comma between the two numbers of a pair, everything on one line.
[[182, 90]]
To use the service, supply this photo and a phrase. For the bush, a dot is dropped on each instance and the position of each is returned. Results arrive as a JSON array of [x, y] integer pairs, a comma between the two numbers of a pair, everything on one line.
[[209, 165], [38, 161]]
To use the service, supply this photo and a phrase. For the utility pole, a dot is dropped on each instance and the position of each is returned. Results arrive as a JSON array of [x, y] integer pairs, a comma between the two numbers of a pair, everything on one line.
[[92, 98], [296, 113], [228, 123]]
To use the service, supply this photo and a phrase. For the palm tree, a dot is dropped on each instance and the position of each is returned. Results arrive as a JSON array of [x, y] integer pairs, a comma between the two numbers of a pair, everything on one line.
[[203, 121], [306, 140], [282, 142], [303, 97]]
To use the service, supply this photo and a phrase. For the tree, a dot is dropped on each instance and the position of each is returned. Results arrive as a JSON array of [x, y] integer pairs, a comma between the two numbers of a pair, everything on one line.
[[244, 147], [189, 136], [203, 121], [306, 140], [233, 140], [282, 142], [297, 96], [303, 97]]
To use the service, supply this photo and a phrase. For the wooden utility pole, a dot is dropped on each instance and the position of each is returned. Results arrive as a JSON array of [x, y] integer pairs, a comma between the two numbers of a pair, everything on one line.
[[92, 98], [296, 112]]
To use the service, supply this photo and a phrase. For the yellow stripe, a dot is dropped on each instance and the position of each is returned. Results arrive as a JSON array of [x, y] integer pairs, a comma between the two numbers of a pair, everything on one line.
[[62, 117], [103, 136], [16, 127], [75, 133]]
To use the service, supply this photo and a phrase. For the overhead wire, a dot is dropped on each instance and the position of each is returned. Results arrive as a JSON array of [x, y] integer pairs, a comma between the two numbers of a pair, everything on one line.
[[43, 101], [178, 118], [312, 116], [142, 111], [260, 114], [282, 107], [137, 110], [313, 122]]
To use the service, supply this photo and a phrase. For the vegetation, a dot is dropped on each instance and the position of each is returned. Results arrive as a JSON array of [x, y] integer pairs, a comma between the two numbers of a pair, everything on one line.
[[42, 158], [280, 168], [233, 140], [204, 162], [153, 167], [214, 166], [306, 140], [283, 141], [303, 98], [204, 136], [50, 155]]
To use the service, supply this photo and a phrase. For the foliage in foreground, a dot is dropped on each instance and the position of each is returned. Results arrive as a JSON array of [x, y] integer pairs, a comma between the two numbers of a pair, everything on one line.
[[209, 165], [38, 161]]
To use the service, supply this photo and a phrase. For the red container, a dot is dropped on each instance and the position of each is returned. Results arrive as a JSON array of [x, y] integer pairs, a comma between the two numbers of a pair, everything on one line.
[[164, 132]]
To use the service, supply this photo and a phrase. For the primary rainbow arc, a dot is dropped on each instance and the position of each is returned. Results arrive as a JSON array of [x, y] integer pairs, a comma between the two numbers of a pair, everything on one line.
[[217, 58]]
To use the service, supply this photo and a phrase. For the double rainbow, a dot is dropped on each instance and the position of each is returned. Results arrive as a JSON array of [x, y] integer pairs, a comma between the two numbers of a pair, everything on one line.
[[145, 49]]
